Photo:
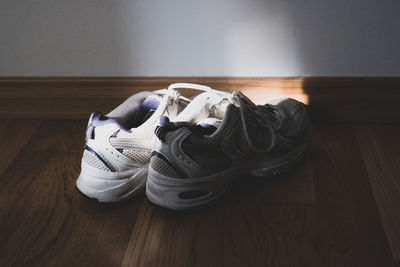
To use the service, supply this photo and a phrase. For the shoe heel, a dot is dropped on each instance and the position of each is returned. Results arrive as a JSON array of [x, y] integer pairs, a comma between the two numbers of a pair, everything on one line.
[[111, 187]]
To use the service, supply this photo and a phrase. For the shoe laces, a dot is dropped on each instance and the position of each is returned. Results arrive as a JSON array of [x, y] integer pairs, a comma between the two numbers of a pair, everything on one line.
[[262, 116], [171, 90], [199, 87]]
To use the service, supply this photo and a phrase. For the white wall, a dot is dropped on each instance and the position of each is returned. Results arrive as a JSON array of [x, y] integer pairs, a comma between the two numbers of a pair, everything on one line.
[[196, 38]]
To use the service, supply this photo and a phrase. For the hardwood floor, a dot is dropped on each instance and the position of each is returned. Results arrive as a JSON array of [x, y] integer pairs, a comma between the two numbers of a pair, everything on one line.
[[380, 146], [340, 207]]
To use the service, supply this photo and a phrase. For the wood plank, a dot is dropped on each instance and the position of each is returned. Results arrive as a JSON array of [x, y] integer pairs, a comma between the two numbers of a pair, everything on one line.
[[259, 223], [351, 99], [45, 220], [14, 134], [235, 235], [294, 186], [380, 146], [350, 230]]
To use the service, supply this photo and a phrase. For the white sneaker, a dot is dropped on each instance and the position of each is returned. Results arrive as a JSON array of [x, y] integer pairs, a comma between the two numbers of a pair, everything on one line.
[[118, 145]]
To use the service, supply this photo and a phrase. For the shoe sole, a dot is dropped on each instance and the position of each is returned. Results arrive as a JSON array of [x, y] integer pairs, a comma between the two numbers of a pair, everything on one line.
[[191, 193], [111, 187]]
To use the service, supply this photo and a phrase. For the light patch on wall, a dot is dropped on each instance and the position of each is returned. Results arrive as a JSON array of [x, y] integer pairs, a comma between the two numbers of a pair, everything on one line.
[[274, 53]]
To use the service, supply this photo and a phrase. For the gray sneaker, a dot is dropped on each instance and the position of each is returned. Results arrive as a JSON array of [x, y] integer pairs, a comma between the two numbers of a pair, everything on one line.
[[196, 157]]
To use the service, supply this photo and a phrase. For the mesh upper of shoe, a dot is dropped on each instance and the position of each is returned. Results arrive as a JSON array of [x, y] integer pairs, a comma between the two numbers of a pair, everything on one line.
[[294, 118], [125, 136], [289, 119], [130, 145], [161, 166], [203, 150], [93, 161], [139, 155], [140, 152]]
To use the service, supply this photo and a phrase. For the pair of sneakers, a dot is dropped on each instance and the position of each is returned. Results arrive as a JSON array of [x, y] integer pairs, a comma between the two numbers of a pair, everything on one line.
[[186, 152]]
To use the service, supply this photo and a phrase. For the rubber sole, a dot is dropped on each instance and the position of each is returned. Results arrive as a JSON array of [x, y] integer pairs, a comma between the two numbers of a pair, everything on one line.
[[191, 193], [111, 187], [178, 194]]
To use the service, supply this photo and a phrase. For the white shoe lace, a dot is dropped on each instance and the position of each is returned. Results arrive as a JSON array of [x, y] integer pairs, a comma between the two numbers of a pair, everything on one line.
[[171, 90], [262, 114], [199, 87]]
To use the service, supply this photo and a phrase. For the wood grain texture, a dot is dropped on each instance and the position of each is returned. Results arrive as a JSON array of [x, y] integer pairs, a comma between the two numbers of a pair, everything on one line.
[[257, 224], [349, 226], [294, 186], [380, 146], [321, 213], [14, 135], [44, 220], [353, 99], [241, 232]]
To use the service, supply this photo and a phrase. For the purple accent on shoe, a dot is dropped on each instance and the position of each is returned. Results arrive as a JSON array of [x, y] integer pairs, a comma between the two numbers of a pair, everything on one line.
[[89, 132], [207, 126], [150, 103], [140, 116], [164, 121]]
